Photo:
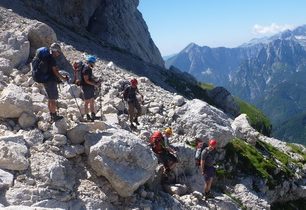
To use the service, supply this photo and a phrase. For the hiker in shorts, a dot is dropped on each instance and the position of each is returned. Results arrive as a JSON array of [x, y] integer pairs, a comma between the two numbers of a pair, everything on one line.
[[88, 86], [51, 84], [130, 95], [164, 152], [208, 159]]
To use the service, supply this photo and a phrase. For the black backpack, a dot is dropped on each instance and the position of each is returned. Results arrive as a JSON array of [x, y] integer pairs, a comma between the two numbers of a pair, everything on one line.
[[126, 92], [39, 66], [199, 148]]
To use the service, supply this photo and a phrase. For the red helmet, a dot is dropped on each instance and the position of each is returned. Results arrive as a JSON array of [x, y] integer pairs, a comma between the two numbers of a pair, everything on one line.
[[134, 82], [212, 142]]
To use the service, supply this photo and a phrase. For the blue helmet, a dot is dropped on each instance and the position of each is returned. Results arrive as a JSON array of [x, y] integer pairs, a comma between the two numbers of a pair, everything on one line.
[[91, 59]]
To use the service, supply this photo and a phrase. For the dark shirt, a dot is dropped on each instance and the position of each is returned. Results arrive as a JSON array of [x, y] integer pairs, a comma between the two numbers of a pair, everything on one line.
[[131, 93], [209, 156], [50, 61], [87, 71]]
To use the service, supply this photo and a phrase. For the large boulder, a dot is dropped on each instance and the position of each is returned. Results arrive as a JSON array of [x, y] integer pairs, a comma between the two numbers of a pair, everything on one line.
[[123, 159], [77, 133], [244, 130], [14, 101], [40, 35], [15, 47], [197, 118], [13, 153]]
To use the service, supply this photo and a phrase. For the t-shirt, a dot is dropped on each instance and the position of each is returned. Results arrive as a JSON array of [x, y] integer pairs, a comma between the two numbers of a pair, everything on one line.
[[86, 71], [50, 61], [209, 156]]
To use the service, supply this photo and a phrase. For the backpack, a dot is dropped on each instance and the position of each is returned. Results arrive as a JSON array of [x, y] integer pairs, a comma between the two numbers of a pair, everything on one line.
[[77, 72], [126, 93], [156, 141], [199, 148], [39, 66]]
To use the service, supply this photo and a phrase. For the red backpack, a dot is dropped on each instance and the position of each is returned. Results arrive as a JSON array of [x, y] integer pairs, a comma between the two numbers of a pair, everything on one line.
[[156, 142]]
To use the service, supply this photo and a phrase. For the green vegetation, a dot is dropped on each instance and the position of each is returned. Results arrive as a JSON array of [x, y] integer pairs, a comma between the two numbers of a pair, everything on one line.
[[297, 149], [206, 86], [260, 162], [258, 120], [187, 88]]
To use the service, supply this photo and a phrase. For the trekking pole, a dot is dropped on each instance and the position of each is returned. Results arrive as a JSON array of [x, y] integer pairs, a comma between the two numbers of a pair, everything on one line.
[[76, 102], [110, 64]]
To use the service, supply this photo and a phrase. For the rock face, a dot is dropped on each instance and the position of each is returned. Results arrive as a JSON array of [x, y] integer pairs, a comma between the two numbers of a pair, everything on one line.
[[198, 119], [123, 160], [117, 23], [224, 100]]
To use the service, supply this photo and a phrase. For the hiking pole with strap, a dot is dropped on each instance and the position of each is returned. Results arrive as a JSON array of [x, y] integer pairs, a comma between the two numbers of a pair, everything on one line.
[[110, 64], [66, 74], [76, 102]]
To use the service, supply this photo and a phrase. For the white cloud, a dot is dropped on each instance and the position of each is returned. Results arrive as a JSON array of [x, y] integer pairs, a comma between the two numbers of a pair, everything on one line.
[[270, 29]]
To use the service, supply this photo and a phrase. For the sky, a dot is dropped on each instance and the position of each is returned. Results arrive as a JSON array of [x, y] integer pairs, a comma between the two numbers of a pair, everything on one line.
[[173, 24]]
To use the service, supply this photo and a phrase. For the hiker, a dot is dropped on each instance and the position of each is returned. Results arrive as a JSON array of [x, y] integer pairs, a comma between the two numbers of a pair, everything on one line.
[[130, 95], [53, 76], [165, 153], [77, 72], [208, 159], [88, 86]]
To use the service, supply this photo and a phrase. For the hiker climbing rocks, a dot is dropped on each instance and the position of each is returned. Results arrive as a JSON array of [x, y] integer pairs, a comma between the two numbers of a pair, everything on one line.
[[162, 149], [130, 95], [208, 159], [88, 86], [45, 70]]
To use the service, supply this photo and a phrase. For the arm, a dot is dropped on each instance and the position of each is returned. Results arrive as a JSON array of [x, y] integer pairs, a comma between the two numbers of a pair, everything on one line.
[[57, 74], [86, 79], [202, 166], [137, 91]]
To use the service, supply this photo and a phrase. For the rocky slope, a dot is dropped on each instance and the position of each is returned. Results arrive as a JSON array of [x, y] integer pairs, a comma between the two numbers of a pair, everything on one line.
[[105, 165]]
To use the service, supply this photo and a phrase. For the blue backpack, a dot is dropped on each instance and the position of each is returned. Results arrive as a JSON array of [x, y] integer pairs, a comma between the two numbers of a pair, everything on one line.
[[39, 66]]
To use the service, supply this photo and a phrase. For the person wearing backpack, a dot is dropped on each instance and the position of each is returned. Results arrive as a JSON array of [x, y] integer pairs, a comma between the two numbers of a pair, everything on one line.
[[162, 149], [130, 95], [88, 86], [208, 159], [45, 71], [77, 72]]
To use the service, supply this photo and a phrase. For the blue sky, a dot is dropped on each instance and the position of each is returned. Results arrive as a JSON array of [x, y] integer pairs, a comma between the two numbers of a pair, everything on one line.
[[173, 24]]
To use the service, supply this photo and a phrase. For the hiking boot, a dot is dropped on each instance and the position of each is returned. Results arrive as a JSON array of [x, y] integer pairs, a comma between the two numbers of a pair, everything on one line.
[[209, 195], [55, 117], [136, 121], [88, 117], [93, 117], [133, 126]]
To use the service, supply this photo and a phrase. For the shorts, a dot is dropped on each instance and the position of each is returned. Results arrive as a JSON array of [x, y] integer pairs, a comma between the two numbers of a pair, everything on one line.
[[51, 89], [88, 91], [209, 172]]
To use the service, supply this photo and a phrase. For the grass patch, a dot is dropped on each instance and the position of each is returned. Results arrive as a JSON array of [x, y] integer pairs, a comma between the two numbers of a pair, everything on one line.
[[297, 149], [258, 120], [206, 86], [259, 160]]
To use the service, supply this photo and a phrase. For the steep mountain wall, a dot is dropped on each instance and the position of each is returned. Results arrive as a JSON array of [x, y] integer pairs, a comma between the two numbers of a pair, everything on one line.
[[115, 23]]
